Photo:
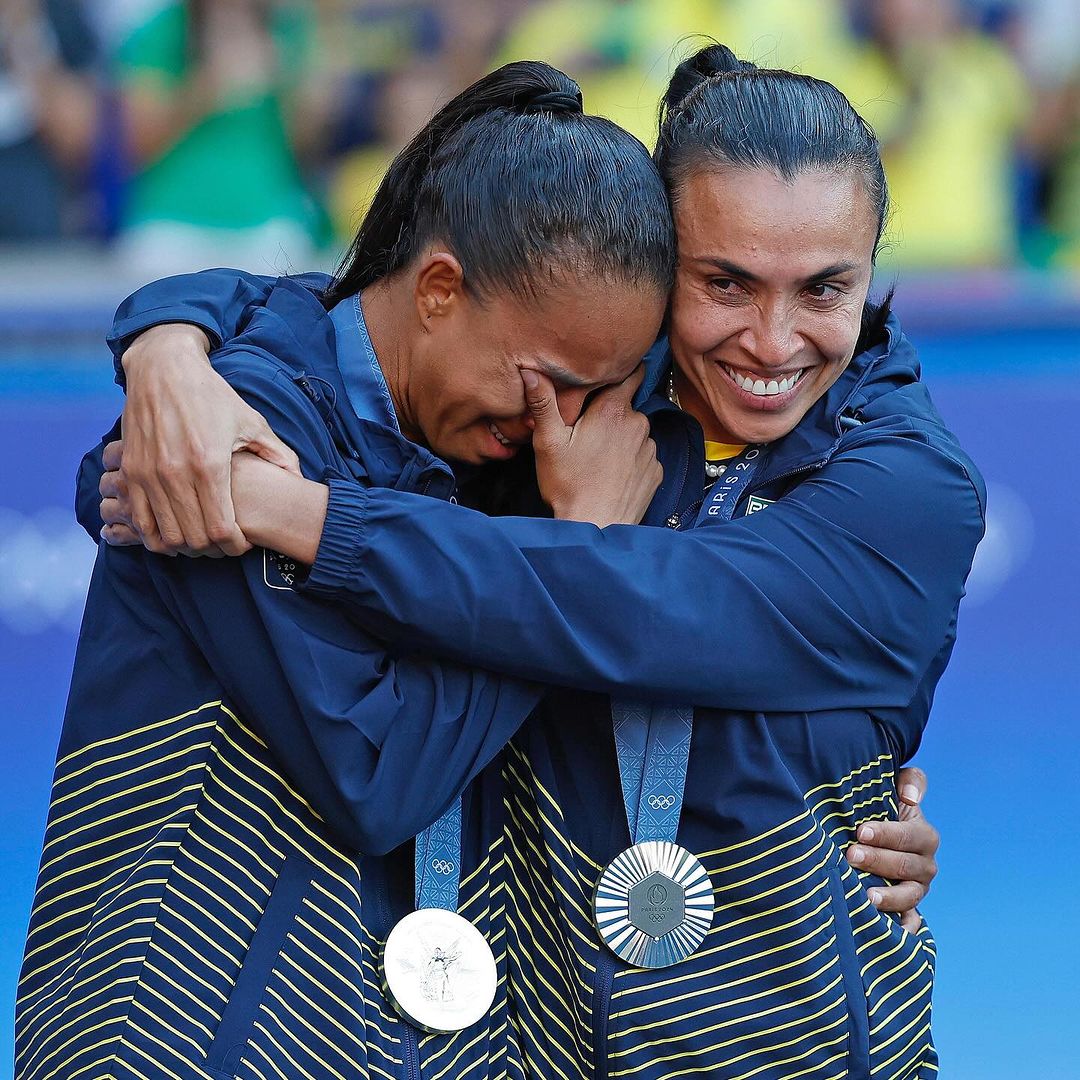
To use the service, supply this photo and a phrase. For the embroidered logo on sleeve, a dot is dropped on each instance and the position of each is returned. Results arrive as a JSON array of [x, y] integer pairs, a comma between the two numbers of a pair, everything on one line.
[[754, 504], [279, 571]]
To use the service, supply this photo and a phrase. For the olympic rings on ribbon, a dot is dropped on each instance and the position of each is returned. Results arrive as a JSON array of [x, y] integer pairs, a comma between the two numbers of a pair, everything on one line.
[[442, 866], [661, 802]]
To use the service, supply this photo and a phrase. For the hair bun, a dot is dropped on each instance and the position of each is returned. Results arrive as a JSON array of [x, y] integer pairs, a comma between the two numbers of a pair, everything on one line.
[[715, 59], [556, 101]]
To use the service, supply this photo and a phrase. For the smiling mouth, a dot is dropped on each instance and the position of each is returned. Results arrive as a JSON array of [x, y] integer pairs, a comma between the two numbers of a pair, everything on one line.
[[759, 387]]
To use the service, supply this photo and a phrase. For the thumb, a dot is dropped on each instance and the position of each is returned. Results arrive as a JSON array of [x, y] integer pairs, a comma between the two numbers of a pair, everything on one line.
[[262, 441], [632, 383], [911, 785], [542, 405]]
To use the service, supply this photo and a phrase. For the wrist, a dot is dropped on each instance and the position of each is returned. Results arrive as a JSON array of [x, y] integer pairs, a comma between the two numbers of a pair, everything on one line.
[[277, 510], [166, 341], [571, 511]]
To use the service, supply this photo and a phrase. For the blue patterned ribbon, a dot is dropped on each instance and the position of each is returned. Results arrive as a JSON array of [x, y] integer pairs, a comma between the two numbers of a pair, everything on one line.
[[653, 744], [438, 861], [653, 741], [735, 476]]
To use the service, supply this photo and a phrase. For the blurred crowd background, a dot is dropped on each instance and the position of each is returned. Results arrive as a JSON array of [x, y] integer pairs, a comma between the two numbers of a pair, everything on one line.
[[180, 131]]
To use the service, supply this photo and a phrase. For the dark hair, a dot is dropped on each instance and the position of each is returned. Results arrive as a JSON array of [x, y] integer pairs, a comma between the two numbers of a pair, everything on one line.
[[519, 184], [721, 109]]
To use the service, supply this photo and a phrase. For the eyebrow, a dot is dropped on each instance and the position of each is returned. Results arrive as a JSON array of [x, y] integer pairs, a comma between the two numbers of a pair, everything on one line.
[[741, 272]]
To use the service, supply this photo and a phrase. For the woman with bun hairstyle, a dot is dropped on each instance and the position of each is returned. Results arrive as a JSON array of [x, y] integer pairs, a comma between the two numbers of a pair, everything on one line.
[[232, 745], [812, 534]]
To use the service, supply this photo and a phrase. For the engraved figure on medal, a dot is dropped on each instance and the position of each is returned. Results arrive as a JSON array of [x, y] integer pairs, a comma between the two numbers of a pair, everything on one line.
[[436, 983], [439, 970]]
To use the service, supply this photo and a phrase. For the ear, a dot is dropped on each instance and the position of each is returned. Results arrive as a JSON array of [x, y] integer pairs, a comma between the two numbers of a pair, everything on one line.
[[439, 288]]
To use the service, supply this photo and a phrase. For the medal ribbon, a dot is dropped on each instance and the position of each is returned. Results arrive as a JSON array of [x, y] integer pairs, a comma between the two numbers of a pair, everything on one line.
[[722, 498], [653, 741], [438, 861]]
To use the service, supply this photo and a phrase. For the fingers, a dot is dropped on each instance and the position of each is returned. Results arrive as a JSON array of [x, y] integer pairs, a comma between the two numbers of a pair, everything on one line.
[[543, 408], [112, 485], [915, 835], [902, 897], [911, 921], [894, 865], [629, 387], [219, 517], [899, 851], [911, 785], [113, 454], [263, 442], [120, 536], [166, 509]]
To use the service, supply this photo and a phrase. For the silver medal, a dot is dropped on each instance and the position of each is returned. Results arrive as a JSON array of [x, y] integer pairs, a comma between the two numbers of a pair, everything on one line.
[[653, 904], [439, 970]]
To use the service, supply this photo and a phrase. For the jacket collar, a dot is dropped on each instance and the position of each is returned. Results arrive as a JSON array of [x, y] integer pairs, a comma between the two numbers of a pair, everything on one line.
[[298, 331]]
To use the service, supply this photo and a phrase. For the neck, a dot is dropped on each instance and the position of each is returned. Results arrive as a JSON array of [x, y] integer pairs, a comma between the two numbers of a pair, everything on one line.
[[385, 312], [690, 401]]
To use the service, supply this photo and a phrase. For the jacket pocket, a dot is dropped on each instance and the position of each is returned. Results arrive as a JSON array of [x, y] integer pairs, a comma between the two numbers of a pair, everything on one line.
[[889, 977], [858, 1064], [239, 1014]]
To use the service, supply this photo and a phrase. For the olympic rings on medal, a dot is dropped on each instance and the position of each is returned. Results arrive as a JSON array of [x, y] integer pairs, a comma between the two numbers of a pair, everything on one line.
[[661, 802], [442, 866]]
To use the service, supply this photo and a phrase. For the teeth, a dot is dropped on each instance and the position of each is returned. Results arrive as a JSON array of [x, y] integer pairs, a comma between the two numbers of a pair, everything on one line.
[[761, 388], [499, 435]]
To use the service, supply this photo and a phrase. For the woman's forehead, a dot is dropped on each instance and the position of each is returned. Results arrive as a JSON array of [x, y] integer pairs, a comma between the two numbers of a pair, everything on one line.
[[763, 216]]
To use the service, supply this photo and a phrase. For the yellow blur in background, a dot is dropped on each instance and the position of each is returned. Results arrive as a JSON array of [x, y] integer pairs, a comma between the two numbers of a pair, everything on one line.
[[181, 132]]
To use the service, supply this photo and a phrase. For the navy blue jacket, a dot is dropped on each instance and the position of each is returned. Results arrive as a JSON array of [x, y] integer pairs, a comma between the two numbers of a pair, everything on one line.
[[230, 748], [811, 635]]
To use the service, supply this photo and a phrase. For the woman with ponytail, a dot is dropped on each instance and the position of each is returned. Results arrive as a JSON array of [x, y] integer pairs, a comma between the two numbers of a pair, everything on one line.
[[746, 677], [223, 862]]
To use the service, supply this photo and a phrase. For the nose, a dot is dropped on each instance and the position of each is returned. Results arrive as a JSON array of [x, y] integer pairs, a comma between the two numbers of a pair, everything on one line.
[[571, 400], [773, 338]]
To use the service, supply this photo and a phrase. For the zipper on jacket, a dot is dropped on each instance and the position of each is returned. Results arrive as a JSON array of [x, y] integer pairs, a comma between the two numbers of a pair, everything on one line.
[[605, 974], [410, 1050], [377, 892]]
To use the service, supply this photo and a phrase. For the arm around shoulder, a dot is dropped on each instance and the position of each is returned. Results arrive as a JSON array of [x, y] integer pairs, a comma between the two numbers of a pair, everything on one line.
[[838, 595]]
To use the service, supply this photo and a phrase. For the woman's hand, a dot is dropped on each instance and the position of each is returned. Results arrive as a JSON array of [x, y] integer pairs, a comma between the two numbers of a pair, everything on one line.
[[902, 851], [275, 508], [603, 469], [182, 423]]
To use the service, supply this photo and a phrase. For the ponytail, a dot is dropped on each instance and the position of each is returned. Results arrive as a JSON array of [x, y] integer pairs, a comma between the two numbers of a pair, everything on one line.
[[512, 176]]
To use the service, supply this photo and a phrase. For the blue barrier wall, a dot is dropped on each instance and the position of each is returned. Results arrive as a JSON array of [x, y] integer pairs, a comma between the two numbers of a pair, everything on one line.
[[1002, 749]]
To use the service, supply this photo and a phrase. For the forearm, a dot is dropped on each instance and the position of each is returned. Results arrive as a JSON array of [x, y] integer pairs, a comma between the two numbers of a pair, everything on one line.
[[278, 510], [824, 602]]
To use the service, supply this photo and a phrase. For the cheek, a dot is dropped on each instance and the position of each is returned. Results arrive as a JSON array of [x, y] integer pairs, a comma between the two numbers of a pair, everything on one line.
[[835, 338], [698, 322]]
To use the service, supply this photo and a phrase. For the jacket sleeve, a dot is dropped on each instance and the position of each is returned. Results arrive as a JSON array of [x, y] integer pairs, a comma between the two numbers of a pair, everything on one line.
[[379, 744], [217, 301], [837, 596]]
